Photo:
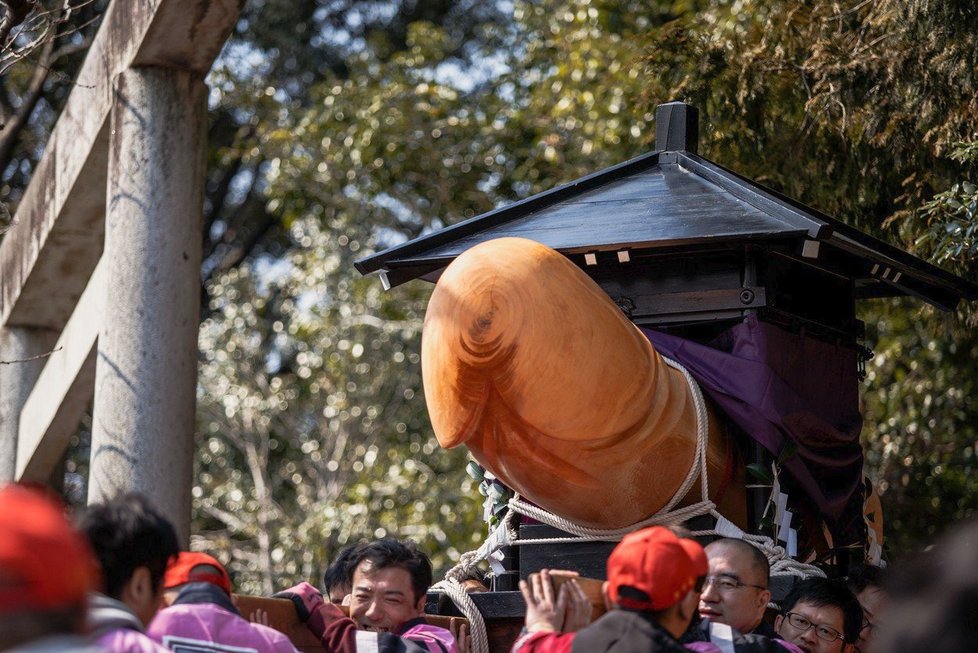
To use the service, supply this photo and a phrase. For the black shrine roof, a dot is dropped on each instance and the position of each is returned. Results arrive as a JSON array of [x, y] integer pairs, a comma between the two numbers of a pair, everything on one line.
[[676, 201]]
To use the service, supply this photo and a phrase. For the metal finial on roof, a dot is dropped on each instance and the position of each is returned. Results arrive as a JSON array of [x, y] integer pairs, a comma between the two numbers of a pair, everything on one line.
[[676, 127]]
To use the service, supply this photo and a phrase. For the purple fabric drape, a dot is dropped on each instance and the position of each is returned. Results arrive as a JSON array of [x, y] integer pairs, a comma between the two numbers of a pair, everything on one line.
[[782, 387]]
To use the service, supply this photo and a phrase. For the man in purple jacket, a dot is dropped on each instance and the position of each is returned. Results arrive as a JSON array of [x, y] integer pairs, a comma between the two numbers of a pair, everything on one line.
[[201, 617], [133, 543]]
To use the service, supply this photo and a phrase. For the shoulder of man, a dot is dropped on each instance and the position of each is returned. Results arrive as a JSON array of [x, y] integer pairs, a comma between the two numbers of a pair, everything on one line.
[[57, 644], [278, 641], [730, 640], [766, 629], [543, 642], [207, 622], [435, 638], [124, 640], [625, 631]]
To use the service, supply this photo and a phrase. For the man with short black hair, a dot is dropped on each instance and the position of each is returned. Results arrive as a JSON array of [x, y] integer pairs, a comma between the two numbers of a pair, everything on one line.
[[390, 580], [820, 616], [133, 543], [866, 582], [654, 581], [336, 580]]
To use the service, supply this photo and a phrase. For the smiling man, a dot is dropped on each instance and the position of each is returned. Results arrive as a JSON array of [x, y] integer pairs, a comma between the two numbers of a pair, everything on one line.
[[390, 580], [736, 590], [820, 616]]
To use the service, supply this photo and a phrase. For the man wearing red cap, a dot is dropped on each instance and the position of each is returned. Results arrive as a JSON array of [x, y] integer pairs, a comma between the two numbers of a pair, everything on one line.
[[46, 572], [201, 616], [653, 587]]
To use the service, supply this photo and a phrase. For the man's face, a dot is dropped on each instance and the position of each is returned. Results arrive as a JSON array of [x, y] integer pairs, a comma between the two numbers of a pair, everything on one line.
[[873, 600], [825, 616], [383, 599], [339, 593], [741, 607]]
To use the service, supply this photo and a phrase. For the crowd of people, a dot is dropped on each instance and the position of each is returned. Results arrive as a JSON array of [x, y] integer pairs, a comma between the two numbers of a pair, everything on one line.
[[117, 581], [665, 593]]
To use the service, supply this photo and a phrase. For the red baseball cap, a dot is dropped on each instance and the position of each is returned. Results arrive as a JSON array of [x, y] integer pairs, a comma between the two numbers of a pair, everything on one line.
[[187, 567], [652, 569], [45, 564]]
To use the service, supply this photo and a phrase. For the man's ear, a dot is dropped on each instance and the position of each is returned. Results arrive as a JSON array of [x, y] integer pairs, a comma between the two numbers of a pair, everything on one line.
[[763, 598], [777, 623], [138, 593], [420, 606], [689, 606], [137, 586]]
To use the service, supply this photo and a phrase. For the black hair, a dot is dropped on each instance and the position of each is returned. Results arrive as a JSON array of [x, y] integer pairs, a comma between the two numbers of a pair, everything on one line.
[[126, 533], [865, 575], [339, 572], [389, 552], [758, 560], [819, 592]]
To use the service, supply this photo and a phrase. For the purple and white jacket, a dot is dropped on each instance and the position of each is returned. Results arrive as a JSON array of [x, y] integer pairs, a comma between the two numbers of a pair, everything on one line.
[[202, 619]]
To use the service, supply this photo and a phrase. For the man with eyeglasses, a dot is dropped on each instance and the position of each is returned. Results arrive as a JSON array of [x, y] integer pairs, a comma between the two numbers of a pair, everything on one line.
[[820, 616], [736, 590], [866, 582]]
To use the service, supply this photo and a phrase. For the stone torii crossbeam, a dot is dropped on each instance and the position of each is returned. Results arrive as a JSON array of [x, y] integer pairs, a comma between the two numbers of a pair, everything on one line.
[[101, 267]]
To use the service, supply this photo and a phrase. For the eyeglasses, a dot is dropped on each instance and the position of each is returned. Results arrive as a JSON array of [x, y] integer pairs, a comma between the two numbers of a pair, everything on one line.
[[802, 624], [727, 583], [867, 624]]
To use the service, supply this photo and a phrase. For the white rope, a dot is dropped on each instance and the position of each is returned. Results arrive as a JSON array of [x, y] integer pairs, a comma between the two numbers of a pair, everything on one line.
[[477, 625], [702, 440], [780, 562]]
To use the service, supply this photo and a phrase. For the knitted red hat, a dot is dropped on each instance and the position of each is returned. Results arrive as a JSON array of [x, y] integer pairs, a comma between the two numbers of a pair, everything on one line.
[[652, 569], [187, 568], [44, 563]]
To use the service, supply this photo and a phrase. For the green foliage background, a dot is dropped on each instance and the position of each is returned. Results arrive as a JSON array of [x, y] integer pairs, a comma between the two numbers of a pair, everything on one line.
[[312, 425]]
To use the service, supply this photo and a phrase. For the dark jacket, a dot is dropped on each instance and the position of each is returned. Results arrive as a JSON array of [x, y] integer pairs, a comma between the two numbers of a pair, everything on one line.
[[618, 631], [750, 643]]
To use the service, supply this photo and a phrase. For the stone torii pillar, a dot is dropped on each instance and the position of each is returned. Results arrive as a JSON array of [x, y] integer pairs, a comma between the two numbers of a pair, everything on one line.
[[22, 351], [146, 368]]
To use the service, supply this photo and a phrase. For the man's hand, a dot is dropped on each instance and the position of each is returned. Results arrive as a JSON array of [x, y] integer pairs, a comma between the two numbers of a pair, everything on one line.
[[578, 608], [305, 597], [542, 612], [569, 612], [259, 616], [460, 631]]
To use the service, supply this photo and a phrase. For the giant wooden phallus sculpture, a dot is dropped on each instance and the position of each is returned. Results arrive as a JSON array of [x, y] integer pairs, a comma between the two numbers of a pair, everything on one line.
[[530, 364]]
